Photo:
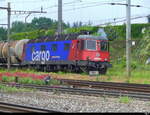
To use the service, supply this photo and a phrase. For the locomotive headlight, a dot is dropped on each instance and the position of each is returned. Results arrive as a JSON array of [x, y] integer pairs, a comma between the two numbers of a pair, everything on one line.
[[105, 59]]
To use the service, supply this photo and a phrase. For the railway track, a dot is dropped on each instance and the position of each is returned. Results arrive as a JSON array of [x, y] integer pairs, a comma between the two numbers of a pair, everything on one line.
[[87, 91], [108, 85], [13, 108]]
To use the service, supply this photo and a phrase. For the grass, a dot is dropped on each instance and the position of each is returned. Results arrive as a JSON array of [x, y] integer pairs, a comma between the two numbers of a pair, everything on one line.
[[125, 99], [14, 89], [61, 73], [30, 81], [12, 70], [140, 74]]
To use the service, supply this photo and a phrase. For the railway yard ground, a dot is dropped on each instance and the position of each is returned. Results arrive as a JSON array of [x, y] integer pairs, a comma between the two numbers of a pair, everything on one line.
[[76, 103], [65, 102], [82, 62]]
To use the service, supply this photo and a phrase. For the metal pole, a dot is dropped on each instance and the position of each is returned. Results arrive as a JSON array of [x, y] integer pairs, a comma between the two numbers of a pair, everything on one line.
[[8, 35], [59, 16], [128, 38], [148, 18], [27, 17]]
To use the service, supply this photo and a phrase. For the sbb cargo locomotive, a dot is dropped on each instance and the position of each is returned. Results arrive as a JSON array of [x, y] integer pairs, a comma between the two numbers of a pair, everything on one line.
[[70, 52]]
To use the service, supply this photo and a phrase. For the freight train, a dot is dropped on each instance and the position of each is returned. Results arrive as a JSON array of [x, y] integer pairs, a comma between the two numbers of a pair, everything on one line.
[[68, 52]]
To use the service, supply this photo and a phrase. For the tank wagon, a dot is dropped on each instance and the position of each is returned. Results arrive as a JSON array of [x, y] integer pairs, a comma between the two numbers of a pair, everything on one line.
[[16, 51], [69, 52]]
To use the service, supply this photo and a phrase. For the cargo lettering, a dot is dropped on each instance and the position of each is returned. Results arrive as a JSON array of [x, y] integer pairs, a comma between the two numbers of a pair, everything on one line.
[[40, 56]]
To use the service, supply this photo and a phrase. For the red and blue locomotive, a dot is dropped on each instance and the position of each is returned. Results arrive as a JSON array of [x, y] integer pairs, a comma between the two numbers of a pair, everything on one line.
[[70, 52]]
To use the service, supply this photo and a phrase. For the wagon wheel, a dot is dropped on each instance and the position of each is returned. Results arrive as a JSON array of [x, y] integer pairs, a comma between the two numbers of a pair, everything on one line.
[[84, 69], [103, 70], [70, 68]]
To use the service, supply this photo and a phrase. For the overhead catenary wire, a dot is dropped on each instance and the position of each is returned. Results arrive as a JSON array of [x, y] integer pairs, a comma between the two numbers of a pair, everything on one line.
[[88, 6], [130, 5], [132, 18], [81, 3], [96, 4], [78, 7], [118, 19]]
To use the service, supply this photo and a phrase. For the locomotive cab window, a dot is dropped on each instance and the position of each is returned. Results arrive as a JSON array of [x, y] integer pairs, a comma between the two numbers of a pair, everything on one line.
[[43, 47], [54, 47], [104, 46], [66, 46], [90, 44]]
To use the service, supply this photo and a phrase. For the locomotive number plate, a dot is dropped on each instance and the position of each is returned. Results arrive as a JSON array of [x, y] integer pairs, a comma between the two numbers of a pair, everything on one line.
[[93, 73]]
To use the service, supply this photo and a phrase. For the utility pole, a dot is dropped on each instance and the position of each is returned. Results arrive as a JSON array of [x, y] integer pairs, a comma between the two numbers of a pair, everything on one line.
[[128, 38], [8, 34], [60, 27], [128, 34], [148, 18]]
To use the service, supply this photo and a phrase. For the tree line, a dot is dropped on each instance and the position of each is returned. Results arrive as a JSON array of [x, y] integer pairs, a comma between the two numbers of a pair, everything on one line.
[[37, 27], [43, 26]]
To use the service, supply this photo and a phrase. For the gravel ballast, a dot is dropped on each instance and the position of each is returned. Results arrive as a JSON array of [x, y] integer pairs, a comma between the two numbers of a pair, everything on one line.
[[75, 103]]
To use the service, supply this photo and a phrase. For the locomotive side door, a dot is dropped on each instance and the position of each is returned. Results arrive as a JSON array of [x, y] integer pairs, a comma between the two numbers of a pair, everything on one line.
[[79, 48], [77, 52]]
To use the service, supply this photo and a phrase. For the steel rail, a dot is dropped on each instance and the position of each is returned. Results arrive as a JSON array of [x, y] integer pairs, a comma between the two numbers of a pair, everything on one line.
[[109, 85], [104, 85], [14, 108], [86, 91]]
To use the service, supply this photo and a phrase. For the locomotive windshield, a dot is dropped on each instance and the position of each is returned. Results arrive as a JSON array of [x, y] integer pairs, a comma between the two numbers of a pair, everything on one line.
[[90, 44], [104, 46]]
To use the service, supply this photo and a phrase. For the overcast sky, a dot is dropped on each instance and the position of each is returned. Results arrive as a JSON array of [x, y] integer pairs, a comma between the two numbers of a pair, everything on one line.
[[95, 11]]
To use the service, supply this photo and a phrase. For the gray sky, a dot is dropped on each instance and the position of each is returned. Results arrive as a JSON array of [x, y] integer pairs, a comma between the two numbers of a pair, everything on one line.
[[95, 11]]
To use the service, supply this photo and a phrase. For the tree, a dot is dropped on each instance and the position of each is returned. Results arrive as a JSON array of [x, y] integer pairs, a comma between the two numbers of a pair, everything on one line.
[[45, 23], [18, 26], [112, 32], [42, 23], [3, 34], [145, 45], [77, 24]]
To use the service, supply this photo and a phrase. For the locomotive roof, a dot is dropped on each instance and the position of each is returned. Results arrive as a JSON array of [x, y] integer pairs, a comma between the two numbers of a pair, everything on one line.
[[91, 37], [62, 37]]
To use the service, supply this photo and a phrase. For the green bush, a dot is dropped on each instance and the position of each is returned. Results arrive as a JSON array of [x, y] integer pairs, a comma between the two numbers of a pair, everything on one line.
[[113, 32], [26, 80], [28, 35], [54, 82], [124, 99], [38, 82], [50, 32], [145, 46], [134, 64], [8, 79], [83, 28]]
